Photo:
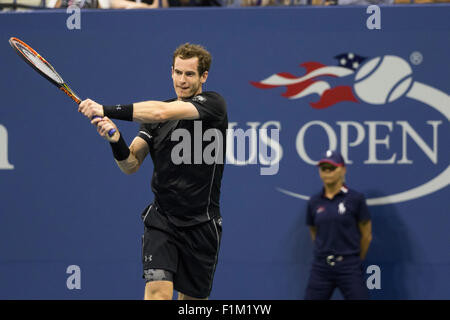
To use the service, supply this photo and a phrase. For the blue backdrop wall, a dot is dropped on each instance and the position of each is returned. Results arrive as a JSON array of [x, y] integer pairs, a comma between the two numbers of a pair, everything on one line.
[[379, 96]]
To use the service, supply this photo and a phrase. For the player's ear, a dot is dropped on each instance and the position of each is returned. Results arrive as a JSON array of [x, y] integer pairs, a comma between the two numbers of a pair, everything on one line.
[[204, 76]]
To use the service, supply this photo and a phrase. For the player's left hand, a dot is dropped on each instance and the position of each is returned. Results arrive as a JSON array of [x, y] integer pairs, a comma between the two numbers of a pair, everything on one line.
[[90, 108]]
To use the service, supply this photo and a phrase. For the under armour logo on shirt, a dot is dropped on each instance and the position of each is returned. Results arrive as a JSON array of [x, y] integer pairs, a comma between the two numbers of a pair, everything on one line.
[[341, 208], [199, 99]]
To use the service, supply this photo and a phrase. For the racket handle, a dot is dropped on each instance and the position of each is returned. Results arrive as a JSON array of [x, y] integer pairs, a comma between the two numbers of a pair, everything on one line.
[[110, 132]]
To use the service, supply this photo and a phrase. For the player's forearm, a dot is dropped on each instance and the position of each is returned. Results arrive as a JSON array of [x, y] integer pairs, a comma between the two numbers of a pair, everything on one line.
[[142, 112], [124, 4], [150, 111], [158, 111], [125, 158], [129, 165], [118, 4]]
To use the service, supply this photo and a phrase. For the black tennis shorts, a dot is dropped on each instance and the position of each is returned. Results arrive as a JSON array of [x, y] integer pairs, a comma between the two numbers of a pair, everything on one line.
[[190, 253]]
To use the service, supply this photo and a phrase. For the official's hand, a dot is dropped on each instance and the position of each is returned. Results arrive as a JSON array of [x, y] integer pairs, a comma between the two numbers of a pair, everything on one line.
[[90, 108], [104, 125]]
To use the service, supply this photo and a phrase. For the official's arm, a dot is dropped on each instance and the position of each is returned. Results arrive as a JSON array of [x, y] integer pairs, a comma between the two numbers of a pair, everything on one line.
[[365, 228], [313, 232]]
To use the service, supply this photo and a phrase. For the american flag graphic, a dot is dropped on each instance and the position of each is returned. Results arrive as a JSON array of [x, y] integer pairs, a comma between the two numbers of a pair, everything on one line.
[[314, 81]]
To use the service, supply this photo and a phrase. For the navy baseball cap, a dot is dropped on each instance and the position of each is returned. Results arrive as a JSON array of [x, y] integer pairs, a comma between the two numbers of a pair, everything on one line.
[[332, 157]]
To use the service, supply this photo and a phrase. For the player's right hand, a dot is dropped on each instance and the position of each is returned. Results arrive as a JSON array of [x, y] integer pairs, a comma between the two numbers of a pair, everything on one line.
[[104, 125]]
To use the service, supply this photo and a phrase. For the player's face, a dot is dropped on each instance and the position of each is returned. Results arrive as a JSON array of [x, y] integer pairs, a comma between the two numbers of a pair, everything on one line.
[[186, 80], [331, 174]]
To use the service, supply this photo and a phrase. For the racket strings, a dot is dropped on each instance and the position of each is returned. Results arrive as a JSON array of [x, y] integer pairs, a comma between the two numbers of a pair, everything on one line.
[[41, 65]]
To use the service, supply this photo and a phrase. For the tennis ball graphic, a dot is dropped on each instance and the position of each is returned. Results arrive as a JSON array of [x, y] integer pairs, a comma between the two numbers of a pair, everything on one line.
[[383, 79]]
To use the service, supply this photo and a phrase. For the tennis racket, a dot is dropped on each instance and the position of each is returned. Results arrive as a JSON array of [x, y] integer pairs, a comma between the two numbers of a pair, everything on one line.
[[45, 69]]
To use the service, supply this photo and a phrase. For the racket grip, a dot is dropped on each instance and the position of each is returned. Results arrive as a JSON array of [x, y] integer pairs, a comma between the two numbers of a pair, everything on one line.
[[110, 132]]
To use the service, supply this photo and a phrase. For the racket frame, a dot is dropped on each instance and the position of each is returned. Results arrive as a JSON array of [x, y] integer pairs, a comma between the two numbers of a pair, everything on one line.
[[61, 85]]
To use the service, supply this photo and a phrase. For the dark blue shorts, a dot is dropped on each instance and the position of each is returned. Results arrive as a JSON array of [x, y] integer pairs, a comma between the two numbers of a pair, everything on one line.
[[346, 274]]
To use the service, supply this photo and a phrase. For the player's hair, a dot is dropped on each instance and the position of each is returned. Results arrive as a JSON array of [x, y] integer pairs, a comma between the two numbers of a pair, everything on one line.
[[188, 50]]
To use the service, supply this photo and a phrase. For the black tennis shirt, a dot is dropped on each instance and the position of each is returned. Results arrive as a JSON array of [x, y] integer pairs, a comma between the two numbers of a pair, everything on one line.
[[189, 192]]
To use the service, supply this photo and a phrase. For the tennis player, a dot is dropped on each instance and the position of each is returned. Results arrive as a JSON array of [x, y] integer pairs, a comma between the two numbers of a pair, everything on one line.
[[183, 224]]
